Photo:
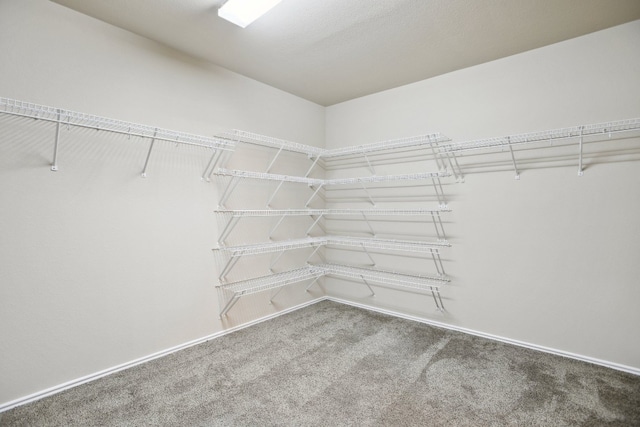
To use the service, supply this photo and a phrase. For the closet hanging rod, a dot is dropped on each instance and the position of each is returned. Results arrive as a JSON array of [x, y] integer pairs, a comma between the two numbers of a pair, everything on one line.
[[607, 128], [77, 119]]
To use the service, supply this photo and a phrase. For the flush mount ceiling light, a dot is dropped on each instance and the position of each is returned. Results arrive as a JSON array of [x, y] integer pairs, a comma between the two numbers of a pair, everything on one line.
[[244, 12]]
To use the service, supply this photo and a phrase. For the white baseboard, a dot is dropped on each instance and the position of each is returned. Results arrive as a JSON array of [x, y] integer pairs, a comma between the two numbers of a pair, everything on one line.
[[605, 363], [73, 383], [82, 380]]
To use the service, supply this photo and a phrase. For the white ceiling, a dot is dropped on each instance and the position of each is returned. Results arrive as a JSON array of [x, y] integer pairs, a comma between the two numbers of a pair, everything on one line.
[[329, 51]]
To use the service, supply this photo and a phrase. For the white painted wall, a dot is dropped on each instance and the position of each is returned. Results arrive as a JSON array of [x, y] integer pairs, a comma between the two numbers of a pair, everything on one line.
[[98, 265], [550, 259]]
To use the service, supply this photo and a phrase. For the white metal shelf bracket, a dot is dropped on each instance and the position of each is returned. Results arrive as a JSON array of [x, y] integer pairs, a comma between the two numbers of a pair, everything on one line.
[[438, 300], [513, 158], [233, 182], [371, 168], [234, 299], [231, 262], [580, 170], [364, 248], [306, 205], [146, 162], [210, 165], [54, 164], [437, 221], [275, 227], [437, 186], [366, 220], [274, 159], [312, 283], [312, 165], [317, 220], [435, 255], [373, 294], [275, 260], [364, 187], [228, 228], [274, 193]]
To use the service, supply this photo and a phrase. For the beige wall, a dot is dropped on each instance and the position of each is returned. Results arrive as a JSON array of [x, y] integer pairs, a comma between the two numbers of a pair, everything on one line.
[[101, 266], [550, 259]]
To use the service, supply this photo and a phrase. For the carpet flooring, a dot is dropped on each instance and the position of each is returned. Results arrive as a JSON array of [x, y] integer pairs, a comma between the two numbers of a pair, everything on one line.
[[331, 364]]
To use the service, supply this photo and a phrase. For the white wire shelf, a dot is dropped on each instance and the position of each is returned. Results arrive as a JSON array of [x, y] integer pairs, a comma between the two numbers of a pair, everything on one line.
[[386, 178], [311, 151], [386, 244], [388, 278], [233, 253], [326, 182], [74, 118], [603, 129], [326, 212], [267, 141], [234, 216], [292, 244], [268, 176], [314, 272], [270, 247], [384, 277], [434, 138], [259, 284]]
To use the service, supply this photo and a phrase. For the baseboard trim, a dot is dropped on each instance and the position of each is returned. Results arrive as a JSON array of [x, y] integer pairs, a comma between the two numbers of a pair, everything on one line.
[[605, 363], [91, 377]]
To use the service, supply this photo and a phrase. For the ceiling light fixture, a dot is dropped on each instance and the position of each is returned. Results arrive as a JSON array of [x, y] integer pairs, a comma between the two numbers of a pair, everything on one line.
[[244, 12]]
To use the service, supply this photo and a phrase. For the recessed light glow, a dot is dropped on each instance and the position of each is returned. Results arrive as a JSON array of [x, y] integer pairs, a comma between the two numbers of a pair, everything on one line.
[[244, 12]]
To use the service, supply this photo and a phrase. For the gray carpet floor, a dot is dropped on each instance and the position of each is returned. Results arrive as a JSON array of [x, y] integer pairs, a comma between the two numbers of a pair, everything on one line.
[[332, 364]]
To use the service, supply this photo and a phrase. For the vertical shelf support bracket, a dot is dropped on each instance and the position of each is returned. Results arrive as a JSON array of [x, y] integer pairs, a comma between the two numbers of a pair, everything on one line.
[[306, 205], [366, 220], [312, 165], [580, 170], [275, 158], [373, 294], [234, 299], [54, 164], [210, 165], [364, 248], [228, 266], [227, 229], [439, 305], [146, 162], [364, 187], [274, 193], [314, 224], [513, 158], [228, 190], [312, 283], [437, 184], [275, 227], [371, 168]]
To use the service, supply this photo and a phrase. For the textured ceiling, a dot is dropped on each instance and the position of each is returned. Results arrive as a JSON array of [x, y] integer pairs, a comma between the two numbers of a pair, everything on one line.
[[329, 51]]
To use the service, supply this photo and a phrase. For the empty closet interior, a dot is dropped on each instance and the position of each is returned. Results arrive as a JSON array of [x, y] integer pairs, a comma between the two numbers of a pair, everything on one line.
[[150, 200]]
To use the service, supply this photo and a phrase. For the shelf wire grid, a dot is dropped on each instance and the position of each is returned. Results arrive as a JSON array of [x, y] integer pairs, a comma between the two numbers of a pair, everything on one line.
[[73, 118], [604, 129]]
